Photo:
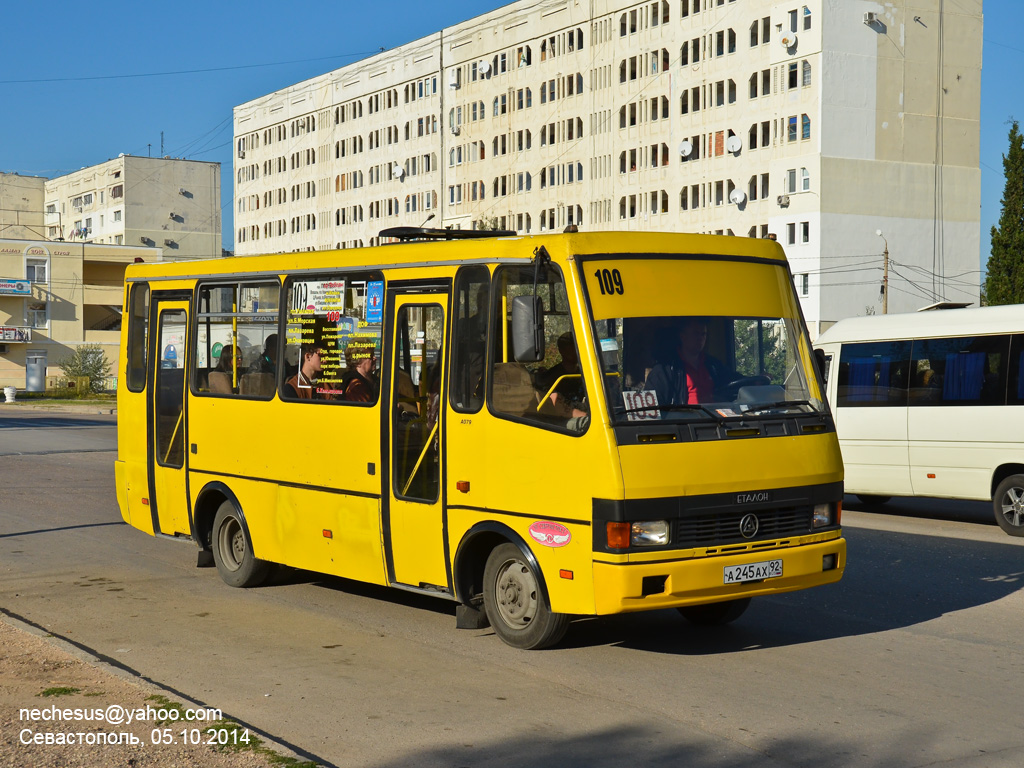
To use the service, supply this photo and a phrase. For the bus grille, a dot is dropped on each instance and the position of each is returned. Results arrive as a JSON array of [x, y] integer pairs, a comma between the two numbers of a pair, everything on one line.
[[714, 528]]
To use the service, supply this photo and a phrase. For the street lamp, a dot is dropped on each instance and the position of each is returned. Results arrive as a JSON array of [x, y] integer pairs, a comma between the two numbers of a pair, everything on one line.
[[885, 273]]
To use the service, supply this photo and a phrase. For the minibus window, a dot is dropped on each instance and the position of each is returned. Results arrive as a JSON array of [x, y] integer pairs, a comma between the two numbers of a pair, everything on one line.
[[686, 368], [138, 337], [873, 373], [967, 370], [332, 333], [469, 314], [236, 347], [552, 392]]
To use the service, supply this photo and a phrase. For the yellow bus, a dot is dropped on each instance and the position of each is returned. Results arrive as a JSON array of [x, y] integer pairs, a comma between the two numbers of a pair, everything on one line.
[[533, 427]]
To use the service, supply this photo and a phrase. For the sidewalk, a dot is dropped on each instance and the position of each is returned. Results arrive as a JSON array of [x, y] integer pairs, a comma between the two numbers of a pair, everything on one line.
[[87, 407]]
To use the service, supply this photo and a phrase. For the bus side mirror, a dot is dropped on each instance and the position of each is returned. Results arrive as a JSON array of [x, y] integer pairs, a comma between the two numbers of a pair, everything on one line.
[[527, 329], [819, 360]]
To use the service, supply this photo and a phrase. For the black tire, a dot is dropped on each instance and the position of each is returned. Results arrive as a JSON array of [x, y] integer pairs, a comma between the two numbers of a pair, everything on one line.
[[232, 550], [515, 604], [871, 499], [1008, 505], [715, 614]]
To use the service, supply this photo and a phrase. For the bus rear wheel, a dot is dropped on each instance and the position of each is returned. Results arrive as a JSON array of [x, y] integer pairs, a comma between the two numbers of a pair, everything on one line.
[[715, 614], [232, 550], [514, 603], [1009, 505]]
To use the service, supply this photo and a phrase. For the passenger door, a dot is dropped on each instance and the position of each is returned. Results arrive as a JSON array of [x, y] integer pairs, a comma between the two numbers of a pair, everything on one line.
[[166, 436], [413, 415]]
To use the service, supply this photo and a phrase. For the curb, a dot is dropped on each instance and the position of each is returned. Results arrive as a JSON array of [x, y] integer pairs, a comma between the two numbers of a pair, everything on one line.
[[104, 410]]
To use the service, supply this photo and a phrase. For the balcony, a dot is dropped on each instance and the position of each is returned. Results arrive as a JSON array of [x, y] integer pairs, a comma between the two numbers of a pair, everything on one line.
[[14, 334]]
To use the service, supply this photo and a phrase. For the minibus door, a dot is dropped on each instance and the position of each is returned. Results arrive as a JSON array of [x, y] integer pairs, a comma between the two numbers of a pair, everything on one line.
[[413, 412], [168, 498]]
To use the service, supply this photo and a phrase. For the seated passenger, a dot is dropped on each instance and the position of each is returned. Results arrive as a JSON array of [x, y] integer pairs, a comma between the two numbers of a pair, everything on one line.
[[685, 373], [267, 361], [572, 387], [358, 381], [303, 384], [222, 377]]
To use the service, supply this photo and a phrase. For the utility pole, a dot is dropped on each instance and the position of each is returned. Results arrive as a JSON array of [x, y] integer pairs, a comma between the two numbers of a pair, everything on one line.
[[885, 273]]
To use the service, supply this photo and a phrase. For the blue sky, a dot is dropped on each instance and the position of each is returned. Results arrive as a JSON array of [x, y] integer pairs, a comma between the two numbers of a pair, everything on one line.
[[61, 122]]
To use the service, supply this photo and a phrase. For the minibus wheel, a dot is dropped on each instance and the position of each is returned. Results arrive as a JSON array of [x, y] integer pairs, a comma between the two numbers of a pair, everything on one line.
[[515, 604], [232, 550], [715, 614], [1009, 505]]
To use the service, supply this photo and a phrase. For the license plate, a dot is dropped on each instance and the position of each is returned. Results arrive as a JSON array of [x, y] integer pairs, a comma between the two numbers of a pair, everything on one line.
[[737, 574]]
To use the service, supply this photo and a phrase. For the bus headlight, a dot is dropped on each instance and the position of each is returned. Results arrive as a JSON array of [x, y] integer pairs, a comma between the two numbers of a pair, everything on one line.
[[824, 515], [649, 533]]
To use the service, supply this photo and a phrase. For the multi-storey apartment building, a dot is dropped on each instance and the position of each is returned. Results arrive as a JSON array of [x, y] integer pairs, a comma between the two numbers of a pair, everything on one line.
[[847, 130], [147, 201], [21, 206]]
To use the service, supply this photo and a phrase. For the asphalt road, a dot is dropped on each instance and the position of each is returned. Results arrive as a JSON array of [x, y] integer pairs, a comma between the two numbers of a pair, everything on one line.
[[912, 660]]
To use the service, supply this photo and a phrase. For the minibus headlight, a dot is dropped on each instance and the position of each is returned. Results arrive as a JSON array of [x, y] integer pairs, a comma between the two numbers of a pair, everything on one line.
[[822, 515], [649, 533]]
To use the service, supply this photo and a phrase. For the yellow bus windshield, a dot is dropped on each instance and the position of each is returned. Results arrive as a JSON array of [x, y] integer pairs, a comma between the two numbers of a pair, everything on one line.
[[683, 339]]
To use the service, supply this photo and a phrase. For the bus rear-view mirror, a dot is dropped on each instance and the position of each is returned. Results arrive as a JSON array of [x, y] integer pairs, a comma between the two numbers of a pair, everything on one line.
[[527, 329]]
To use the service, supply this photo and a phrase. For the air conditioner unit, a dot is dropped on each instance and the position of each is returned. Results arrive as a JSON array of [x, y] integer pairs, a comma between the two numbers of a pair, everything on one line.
[[870, 17], [788, 40], [456, 130], [783, 201]]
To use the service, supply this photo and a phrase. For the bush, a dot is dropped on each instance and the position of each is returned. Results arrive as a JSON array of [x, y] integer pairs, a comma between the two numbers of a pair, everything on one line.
[[87, 360]]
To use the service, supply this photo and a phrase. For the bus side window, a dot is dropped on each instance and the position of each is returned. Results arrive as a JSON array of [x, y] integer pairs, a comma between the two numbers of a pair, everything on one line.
[[551, 393], [469, 351], [874, 373], [138, 336]]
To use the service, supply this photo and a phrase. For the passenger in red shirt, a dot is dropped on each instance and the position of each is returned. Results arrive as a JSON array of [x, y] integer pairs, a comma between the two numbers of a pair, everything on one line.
[[686, 374]]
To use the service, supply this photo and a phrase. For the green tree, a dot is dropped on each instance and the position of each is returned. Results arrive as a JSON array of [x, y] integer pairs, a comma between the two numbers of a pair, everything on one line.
[[87, 360], [1005, 281]]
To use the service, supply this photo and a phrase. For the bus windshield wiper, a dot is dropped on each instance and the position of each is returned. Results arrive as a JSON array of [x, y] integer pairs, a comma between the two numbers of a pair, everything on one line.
[[677, 407], [760, 407]]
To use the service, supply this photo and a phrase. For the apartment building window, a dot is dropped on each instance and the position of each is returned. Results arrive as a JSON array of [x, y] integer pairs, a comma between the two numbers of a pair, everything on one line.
[[805, 127], [793, 20], [791, 181], [791, 233], [754, 29], [802, 283], [37, 270], [807, 18], [791, 128], [805, 180], [791, 80], [806, 66], [36, 314], [766, 82], [805, 231], [766, 30]]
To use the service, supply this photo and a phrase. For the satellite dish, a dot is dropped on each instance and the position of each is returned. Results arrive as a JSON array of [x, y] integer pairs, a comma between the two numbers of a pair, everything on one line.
[[398, 170], [788, 40], [685, 148], [736, 197], [734, 144], [484, 67]]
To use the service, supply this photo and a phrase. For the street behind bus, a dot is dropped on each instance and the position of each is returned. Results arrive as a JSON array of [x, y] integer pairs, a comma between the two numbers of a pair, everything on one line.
[[912, 660]]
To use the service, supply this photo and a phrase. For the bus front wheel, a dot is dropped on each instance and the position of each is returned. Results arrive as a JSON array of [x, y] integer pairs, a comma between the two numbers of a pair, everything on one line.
[[715, 614], [514, 603], [1009, 505], [232, 550]]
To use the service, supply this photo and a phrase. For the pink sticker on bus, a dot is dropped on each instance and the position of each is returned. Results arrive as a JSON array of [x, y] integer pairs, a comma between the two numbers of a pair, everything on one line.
[[550, 534]]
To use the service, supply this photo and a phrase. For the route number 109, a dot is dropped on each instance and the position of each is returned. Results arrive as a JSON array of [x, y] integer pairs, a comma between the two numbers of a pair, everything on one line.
[[610, 282]]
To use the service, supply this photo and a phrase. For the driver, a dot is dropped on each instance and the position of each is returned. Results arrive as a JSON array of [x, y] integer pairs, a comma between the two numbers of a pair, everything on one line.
[[685, 373]]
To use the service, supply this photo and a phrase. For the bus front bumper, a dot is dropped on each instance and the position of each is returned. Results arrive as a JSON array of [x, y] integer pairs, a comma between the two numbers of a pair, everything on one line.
[[643, 586]]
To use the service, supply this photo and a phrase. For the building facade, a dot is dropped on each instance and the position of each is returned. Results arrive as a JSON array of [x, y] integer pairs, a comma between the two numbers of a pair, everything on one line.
[[21, 206], [55, 296], [164, 202], [847, 130]]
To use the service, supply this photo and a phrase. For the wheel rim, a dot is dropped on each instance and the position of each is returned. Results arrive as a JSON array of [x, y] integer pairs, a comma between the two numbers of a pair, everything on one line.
[[1013, 506], [515, 594], [231, 543]]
